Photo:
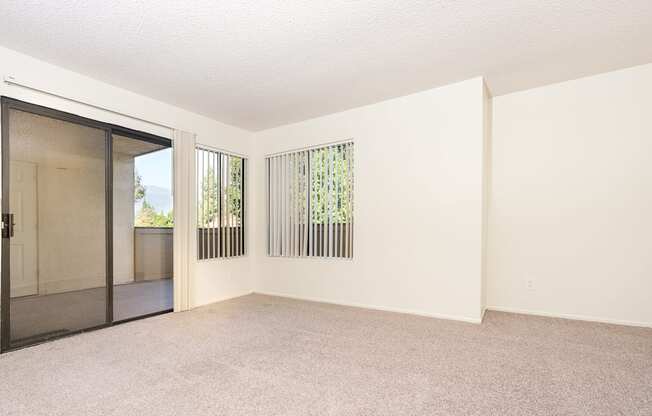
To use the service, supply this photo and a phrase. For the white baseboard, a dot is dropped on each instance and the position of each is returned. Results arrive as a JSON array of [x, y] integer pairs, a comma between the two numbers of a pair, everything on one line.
[[222, 299], [437, 315], [571, 316], [375, 307]]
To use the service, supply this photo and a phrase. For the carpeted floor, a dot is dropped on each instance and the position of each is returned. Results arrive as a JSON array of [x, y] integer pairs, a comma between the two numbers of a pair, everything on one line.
[[260, 355]]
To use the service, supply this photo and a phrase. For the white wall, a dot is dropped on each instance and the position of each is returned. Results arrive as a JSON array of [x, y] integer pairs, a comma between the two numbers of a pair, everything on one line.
[[123, 217], [418, 228], [214, 280], [487, 113], [571, 199]]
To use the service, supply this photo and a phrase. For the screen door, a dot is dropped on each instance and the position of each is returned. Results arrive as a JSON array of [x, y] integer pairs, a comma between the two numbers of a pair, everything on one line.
[[55, 219]]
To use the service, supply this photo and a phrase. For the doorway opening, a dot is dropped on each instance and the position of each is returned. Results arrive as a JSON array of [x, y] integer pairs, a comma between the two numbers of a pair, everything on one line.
[[87, 224]]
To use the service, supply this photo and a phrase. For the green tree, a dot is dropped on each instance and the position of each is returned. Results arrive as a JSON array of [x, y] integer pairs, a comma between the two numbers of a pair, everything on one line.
[[148, 217], [231, 203], [234, 190], [139, 188], [210, 198], [330, 186]]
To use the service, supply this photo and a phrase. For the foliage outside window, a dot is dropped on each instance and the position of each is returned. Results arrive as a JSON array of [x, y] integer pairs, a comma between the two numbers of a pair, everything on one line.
[[310, 202], [330, 186], [147, 215], [220, 204]]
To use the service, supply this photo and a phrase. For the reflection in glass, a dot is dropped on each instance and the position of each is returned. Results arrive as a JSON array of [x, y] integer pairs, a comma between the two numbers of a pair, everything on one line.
[[58, 250]]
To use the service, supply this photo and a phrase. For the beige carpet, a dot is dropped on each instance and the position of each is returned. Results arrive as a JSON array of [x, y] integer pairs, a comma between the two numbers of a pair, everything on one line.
[[260, 355]]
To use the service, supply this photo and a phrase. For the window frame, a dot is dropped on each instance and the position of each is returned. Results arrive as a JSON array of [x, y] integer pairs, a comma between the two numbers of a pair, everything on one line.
[[312, 252], [199, 182]]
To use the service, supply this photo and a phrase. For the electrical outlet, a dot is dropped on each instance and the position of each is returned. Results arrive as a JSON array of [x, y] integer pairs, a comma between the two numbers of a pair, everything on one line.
[[530, 284]]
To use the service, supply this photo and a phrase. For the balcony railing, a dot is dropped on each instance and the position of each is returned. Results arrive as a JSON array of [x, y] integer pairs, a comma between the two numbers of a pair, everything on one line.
[[323, 240], [152, 253], [219, 242]]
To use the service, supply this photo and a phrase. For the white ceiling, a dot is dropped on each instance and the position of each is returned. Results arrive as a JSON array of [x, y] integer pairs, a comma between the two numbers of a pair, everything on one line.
[[258, 64]]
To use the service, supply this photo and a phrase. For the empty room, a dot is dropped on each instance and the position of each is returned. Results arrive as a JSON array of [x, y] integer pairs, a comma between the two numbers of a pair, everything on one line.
[[326, 208]]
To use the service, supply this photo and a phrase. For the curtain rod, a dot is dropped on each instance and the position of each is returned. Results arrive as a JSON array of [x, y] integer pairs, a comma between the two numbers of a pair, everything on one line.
[[302, 149], [13, 81]]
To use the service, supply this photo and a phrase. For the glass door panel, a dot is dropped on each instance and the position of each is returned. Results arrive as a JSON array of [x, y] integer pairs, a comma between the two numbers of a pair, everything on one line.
[[57, 249], [142, 227]]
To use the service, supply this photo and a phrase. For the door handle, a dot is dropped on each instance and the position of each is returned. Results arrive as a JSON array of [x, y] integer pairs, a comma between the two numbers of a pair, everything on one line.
[[8, 225]]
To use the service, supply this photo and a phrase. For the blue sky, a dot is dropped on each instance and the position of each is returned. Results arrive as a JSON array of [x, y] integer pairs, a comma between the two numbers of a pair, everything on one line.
[[156, 168]]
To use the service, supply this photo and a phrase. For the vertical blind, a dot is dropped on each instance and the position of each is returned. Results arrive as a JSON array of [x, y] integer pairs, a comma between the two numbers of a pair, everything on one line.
[[310, 202], [220, 204]]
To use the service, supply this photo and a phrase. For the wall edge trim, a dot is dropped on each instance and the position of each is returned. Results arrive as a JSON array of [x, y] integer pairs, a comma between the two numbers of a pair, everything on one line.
[[573, 317], [219, 299], [414, 312]]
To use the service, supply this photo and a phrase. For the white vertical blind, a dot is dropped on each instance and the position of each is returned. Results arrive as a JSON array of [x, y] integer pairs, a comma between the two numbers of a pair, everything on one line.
[[309, 197], [220, 204], [184, 145]]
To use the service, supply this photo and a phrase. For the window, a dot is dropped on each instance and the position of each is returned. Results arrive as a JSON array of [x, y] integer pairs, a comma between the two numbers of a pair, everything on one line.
[[310, 202], [220, 204]]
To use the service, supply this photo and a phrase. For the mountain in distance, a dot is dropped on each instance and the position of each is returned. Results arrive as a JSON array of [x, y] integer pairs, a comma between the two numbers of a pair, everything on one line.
[[159, 198]]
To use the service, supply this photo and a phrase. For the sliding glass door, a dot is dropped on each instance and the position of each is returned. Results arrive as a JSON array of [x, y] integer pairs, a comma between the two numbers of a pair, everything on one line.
[[55, 225], [142, 226], [68, 226]]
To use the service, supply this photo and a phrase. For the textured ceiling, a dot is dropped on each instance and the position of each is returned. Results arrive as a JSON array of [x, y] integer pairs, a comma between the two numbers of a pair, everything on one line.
[[259, 64]]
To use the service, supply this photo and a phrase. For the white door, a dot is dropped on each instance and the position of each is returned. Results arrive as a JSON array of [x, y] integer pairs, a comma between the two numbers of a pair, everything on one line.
[[22, 246]]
